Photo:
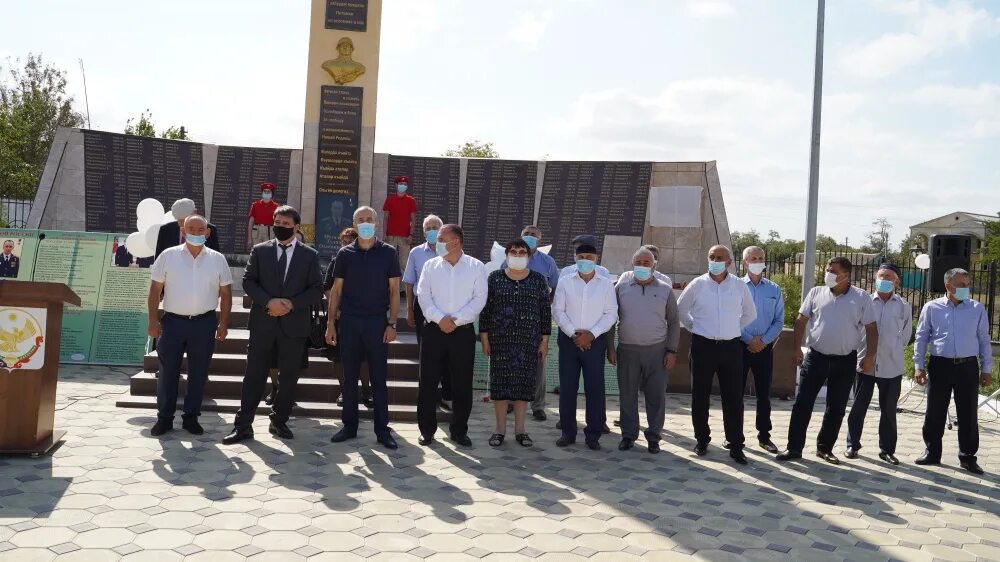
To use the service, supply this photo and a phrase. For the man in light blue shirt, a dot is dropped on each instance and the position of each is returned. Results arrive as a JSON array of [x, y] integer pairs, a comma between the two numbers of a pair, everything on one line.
[[956, 331], [759, 337]]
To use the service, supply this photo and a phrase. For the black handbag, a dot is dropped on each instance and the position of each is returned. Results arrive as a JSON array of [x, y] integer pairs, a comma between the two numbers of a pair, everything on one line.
[[317, 329]]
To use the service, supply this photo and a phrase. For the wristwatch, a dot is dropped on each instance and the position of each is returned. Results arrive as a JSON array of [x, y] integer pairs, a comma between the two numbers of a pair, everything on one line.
[[393, 325]]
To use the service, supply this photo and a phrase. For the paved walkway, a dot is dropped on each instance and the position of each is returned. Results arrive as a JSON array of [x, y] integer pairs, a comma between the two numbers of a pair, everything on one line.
[[111, 492]]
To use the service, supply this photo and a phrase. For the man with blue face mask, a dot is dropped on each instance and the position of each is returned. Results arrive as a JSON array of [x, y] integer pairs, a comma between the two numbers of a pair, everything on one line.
[[399, 208], [955, 330], [715, 308]]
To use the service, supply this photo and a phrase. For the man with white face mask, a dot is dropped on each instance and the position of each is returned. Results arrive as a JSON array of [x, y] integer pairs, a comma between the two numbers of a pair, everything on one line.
[[832, 318], [759, 337]]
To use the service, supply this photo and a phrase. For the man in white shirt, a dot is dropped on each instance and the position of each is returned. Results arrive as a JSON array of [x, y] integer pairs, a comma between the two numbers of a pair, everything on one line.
[[585, 308], [452, 292], [590, 240], [714, 308], [198, 278]]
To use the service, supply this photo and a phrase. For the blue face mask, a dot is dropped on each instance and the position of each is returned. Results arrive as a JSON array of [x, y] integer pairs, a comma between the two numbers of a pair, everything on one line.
[[366, 230], [716, 267], [642, 273], [531, 241], [585, 266], [432, 236], [884, 286], [962, 293], [195, 239], [401, 187], [441, 248]]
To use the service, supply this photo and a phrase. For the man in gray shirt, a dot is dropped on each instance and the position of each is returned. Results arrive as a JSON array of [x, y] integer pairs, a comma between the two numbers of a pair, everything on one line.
[[833, 319], [649, 328]]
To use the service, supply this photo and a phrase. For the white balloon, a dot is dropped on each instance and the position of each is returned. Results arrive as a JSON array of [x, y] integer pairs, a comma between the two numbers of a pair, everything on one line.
[[545, 249], [923, 261], [136, 245], [147, 212], [150, 234], [497, 257]]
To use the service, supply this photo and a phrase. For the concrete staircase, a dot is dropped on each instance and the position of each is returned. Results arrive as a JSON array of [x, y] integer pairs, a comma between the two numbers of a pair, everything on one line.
[[318, 386]]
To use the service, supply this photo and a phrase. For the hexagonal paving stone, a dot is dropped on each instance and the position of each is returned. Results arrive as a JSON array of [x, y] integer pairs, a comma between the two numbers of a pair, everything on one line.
[[336, 541], [280, 540], [42, 537], [104, 538], [163, 539], [284, 522]]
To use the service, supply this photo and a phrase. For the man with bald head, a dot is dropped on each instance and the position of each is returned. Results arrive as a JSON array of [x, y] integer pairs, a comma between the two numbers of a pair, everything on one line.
[[715, 308]]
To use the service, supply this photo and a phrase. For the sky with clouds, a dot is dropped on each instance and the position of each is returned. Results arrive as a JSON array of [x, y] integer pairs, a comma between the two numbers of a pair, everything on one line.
[[911, 119]]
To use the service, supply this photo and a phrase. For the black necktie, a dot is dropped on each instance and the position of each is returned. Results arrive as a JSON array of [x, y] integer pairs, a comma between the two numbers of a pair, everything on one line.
[[283, 262]]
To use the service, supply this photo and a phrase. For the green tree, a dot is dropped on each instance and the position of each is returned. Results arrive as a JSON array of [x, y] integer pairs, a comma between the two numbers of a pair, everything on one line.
[[743, 240], [473, 149], [827, 245], [878, 240], [33, 105], [144, 127], [991, 244]]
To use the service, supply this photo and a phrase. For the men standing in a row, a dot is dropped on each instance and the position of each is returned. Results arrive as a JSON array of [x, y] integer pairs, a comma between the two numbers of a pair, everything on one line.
[[399, 208], [283, 279], [833, 318], [198, 279], [420, 255], [585, 309], [759, 337], [260, 226], [365, 289], [172, 233], [895, 326], [545, 266], [955, 329], [452, 291], [648, 332], [715, 308]]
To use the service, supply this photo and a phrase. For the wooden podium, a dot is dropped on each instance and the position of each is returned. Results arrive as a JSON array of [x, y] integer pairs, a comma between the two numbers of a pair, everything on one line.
[[30, 325]]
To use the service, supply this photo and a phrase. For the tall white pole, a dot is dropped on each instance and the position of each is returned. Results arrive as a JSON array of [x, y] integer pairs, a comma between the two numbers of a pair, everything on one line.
[[809, 269], [86, 98]]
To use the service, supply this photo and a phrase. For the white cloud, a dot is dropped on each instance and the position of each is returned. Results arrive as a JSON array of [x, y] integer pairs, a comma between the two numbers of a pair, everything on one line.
[[710, 9], [931, 28], [530, 28]]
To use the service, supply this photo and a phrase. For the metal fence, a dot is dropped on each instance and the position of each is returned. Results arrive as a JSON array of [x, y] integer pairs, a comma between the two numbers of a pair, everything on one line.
[[914, 286], [14, 212]]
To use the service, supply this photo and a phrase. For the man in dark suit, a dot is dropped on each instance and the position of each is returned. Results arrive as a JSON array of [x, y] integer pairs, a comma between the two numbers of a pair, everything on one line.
[[284, 281], [9, 263], [170, 233]]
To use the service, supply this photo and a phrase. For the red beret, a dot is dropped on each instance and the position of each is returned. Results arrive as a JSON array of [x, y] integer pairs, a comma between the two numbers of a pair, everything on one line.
[[267, 185], [401, 179]]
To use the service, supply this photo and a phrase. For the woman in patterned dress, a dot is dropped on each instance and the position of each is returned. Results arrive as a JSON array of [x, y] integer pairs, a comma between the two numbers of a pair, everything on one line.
[[514, 331]]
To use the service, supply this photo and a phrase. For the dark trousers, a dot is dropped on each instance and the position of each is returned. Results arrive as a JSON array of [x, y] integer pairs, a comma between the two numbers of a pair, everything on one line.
[[420, 321], [456, 354], [178, 336], [762, 365], [360, 340], [944, 377], [888, 398], [263, 349], [837, 372], [723, 358], [571, 362]]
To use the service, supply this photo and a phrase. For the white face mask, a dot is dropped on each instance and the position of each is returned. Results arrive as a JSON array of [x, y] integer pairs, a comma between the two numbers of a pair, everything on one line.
[[756, 268], [517, 263], [830, 279]]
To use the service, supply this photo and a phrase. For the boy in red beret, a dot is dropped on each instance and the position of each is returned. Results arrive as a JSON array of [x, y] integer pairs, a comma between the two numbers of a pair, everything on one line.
[[400, 208], [262, 216]]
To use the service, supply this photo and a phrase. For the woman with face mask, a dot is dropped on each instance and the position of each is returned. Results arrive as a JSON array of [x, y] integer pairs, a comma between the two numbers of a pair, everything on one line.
[[514, 332]]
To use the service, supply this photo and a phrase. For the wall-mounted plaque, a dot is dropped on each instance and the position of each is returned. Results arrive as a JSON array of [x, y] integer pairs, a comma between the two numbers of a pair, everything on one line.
[[499, 203], [433, 183], [349, 15], [239, 171]]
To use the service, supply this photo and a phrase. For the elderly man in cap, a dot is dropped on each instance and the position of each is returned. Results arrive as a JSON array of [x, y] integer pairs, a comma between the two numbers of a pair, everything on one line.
[[260, 226], [589, 240], [895, 326], [399, 208], [172, 233]]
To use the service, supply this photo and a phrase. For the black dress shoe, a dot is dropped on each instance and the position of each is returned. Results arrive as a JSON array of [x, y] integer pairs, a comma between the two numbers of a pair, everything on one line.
[[368, 402], [462, 440], [280, 429], [594, 445], [972, 466], [342, 436], [269, 400], [539, 415], [654, 447], [738, 455], [768, 446], [888, 457], [388, 442], [701, 449], [161, 427], [238, 434], [725, 444], [926, 460], [851, 453], [193, 427], [605, 430], [625, 444], [828, 457], [788, 456], [565, 441], [425, 440], [559, 424]]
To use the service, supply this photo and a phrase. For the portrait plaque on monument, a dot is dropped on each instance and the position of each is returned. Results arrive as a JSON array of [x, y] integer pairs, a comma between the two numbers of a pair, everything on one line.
[[433, 183], [499, 203], [337, 164], [349, 15], [239, 171], [122, 170], [592, 198]]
